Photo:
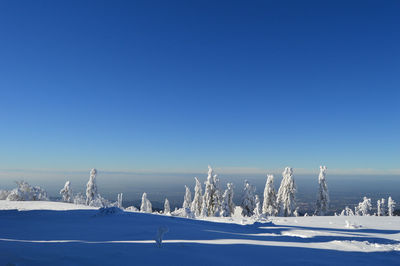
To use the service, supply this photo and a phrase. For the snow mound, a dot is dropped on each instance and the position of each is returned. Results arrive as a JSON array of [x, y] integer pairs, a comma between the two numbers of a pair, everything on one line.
[[352, 225]]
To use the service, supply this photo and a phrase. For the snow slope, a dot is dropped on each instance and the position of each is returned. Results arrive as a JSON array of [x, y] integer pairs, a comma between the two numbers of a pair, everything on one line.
[[67, 234]]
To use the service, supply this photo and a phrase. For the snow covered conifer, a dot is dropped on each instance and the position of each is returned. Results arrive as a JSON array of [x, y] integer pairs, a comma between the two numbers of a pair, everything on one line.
[[286, 194], [248, 201], [146, 204], [212, 194], [187, 203], [187, 199], [197, 199], [204, 210], [119, 200], [257, 209], [323, 196], [66, 192], [167, 208], [269, 204], [228, 207], [391, 205], [91, 187], [378, 208], [383, 207], [364, 208]]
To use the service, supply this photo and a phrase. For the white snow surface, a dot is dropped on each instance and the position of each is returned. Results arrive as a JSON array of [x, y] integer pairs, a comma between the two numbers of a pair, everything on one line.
[[55, 233]]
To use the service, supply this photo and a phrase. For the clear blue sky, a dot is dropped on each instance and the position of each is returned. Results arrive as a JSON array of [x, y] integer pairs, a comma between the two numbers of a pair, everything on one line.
[[161, 85]]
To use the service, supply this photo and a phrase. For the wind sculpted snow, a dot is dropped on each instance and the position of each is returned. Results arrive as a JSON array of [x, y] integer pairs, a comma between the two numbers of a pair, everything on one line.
[[82, 237]]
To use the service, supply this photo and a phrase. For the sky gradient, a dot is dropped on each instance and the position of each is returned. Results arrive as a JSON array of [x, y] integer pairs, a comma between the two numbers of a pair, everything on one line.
[[169, 86]]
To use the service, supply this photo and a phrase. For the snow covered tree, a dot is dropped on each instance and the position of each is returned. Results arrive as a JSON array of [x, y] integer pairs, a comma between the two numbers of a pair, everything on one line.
[[269, 204], [4, 194], [364, 208], [187, 199], [257, 209], [91, 187], [167, 208], [347, 212], [212, 194], [197, 199], [66, 192], [228, 207], [25, 192], [79, 199], [286, 200], [146, 204], [381, 207], [323, 196], [378, 208], [248, 200], [119, 200], [391, 205], [204, 210], [187, 203]]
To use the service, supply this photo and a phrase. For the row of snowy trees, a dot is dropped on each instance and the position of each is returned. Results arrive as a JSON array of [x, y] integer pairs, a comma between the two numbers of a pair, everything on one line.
[[364, 208], [213, 202], [281, 203]]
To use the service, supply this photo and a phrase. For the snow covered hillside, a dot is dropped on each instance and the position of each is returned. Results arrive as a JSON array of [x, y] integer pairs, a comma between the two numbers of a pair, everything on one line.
[[50, 233]]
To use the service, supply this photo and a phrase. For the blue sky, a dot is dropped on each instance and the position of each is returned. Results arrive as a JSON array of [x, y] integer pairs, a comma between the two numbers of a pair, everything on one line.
[[177, 85]]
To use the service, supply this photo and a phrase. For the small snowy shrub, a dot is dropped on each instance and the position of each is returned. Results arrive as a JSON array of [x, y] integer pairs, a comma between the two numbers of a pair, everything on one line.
[[100, 202], [79, 199], [347, 212], [25, 192], [131, 209], [364, 208]]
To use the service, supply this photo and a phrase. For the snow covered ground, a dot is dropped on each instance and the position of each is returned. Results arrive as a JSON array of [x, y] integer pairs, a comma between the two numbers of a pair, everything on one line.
[[50, 233]]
